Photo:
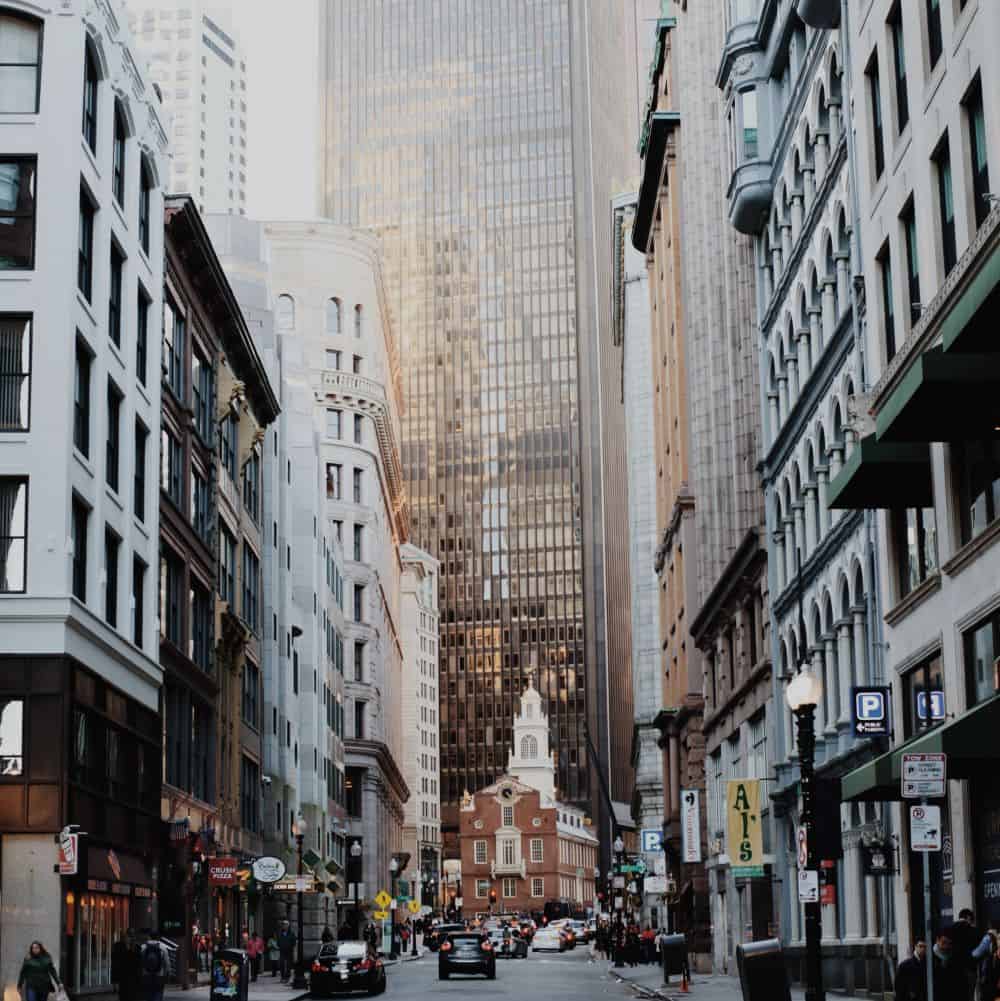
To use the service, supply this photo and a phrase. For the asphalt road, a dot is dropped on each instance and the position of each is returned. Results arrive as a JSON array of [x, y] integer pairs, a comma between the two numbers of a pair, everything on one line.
[[542, 976]]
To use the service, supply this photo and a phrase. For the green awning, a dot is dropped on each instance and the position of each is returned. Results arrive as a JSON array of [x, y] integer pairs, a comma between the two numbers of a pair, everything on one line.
[[943, 397], [883, 475], [970, 325], [969, 742]]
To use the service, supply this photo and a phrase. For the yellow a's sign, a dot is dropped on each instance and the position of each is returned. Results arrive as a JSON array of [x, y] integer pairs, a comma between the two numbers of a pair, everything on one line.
[[743, 842]]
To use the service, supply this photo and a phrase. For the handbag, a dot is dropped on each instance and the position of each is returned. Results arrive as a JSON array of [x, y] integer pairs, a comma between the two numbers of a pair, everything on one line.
[[58, 991]]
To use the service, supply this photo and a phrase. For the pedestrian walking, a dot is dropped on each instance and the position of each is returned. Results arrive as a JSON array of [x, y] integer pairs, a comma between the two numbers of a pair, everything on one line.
[[911, 976], [38, 977], [286, 949], [949, 971], [255, 947], [327, 935], [273, 955], [154, 967], [965, 937], [125, 967]]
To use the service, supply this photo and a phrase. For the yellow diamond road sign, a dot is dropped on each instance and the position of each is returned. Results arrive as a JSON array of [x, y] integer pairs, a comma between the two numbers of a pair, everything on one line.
[[381, 915], [383, 899], [413, 907]]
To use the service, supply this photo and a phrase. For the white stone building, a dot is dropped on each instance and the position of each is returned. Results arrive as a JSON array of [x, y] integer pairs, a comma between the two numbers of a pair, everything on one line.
[[196, 60], [419, 714], [330, 296], [82, 155]]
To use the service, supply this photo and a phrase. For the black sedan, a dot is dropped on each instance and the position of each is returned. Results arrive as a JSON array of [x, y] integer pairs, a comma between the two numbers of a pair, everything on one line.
[[467, 952], [342, 967], [439, 933]]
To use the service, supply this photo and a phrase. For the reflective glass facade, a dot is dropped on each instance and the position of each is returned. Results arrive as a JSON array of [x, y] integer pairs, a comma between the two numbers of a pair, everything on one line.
[[446, 126]]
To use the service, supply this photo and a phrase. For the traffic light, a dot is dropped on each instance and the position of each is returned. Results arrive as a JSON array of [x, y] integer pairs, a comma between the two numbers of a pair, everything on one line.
[[493, 896]]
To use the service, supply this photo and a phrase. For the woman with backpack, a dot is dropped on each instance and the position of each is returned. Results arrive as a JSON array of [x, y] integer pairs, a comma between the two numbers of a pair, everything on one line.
[[154, 963], [38, 977]]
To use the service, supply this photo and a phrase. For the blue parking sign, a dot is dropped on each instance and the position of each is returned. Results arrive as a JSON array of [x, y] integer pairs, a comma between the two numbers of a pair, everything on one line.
[[870, 710], [652, 839], [937, 705]]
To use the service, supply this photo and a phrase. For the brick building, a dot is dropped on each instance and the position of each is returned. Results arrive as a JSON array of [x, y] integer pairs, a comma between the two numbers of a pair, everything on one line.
[[516, 838]]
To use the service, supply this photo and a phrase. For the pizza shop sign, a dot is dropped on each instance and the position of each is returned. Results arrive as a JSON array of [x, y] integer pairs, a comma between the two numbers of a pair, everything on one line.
[[222, 871]]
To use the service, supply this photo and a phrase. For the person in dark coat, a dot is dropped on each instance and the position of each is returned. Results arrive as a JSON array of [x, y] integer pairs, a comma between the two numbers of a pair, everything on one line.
[[964, 939], [286, 949], [125, 967], [38, 976], [911, 977], [949, 972]]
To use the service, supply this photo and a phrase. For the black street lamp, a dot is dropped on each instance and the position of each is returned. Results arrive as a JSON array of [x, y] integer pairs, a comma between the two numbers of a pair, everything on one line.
[[618, 942], [803, 695], [299, 830], [393, 870], [355, 851]]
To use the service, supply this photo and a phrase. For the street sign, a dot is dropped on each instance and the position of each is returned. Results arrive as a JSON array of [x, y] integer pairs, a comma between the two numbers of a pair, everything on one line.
[[303, 884], [808, 886], [652, 839], [923, 776], [655, 885], [802, 840], [937, 710], [69, 853], [634, 867], [268, 869], [877, 859], [380, 915], [690, 826], [871, 711], [413, 907], [382, 899], [925, 828], [618, 882], [747, 871]]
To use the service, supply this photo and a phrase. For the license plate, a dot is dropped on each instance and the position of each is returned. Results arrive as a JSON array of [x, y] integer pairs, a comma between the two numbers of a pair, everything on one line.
[[343, 974]]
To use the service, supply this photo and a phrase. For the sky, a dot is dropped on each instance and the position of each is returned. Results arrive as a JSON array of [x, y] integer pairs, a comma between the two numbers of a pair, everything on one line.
[[281, 106]]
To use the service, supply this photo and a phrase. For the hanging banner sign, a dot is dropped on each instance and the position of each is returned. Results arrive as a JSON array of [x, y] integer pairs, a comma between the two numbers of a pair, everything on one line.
[[69, 853], [690, 826], [268, 869], [222, 871], [744, 843]]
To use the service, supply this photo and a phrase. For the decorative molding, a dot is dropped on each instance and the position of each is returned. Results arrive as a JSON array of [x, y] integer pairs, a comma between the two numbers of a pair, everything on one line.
[[916, 597]]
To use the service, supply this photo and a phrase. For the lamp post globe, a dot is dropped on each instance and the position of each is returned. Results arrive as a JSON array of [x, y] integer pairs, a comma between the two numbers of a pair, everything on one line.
[[805, 689], [299, 829]]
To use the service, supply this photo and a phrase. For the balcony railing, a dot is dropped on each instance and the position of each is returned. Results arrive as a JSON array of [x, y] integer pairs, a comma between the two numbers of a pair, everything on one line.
[[349, 384], [508, 869]]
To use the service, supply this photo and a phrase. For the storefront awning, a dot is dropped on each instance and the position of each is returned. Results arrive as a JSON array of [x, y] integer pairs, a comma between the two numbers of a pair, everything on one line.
[[943, 397], [971, 323], [883, 475], [969, 742]]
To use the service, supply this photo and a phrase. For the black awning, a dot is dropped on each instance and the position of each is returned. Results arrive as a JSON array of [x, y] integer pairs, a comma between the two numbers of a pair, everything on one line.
[[883, 475]]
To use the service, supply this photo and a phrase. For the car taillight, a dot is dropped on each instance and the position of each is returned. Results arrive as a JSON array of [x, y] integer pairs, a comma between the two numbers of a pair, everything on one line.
[[446, 946], [317, 967], [363, 964]]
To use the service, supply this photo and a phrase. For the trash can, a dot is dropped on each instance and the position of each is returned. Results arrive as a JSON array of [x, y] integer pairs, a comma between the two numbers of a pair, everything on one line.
[[230, 975], [673, 955], [763, 976]]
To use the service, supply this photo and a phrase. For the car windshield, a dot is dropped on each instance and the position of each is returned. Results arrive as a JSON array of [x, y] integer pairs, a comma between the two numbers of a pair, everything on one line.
[[342, 950]]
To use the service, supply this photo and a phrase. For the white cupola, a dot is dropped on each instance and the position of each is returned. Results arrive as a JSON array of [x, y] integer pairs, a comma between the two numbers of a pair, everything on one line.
[[530, 761]]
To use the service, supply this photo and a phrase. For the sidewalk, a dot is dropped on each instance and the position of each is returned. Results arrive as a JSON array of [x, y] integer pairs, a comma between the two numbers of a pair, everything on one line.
[[703, 986]]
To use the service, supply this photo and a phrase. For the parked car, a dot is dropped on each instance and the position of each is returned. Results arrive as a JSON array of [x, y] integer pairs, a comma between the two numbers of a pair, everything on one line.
[[549, 940], [580, 929], [508, 944], [467, 952], [341, 967], [439, 933]]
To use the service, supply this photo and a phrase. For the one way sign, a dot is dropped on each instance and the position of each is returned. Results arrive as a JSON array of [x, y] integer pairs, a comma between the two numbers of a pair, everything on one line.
[[925, 828]]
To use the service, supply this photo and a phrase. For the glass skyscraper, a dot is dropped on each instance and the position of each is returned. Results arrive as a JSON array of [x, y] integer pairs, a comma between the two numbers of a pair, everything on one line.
[[448, 127]]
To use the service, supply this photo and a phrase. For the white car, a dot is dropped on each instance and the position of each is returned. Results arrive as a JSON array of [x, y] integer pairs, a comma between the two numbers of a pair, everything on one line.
[[548, 939]]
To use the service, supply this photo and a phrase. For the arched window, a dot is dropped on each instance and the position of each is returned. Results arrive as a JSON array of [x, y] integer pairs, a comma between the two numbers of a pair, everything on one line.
[[21, 45], [286, 312], [333, 327], [357, 320], [529, 748]]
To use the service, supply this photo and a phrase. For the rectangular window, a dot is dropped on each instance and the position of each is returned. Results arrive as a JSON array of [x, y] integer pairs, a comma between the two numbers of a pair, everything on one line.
[[509, 887], [118, 156], [202, 395], [359, 602], [748, 110], [359, 661], [171, 584], [112, 545], [200, 610], [333, 360], [360, 708], [113, 448], [924, 696], [251, 587], [357, 486], [145, 194], [251, 690], [20, 62], [334, 420], [13, 534], [141, 335], [295, 672], [909, 223], [17, 211], [139, 475], [80, 518], [915, 544], [359, 429], [482, 888], [537, 886], [537, 850], [228, 436], [358, 329], [251, 486], [200, 513], [115, 296], [334, 473], [250, 795], [899, 67], [934, 44], [358, 535], [977, 468], [15, 368], [946, 205], [977, 153], [480, 852], [888, 308], [172, 468], [508, 816], [138, 601], [982, 667], [81, 400], [85, 250], [227, 566], [356, 364], [91, 80], [875, 97], [174, 333]]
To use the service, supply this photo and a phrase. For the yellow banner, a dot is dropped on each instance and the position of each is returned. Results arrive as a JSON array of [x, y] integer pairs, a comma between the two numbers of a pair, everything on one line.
[[743, 843]]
